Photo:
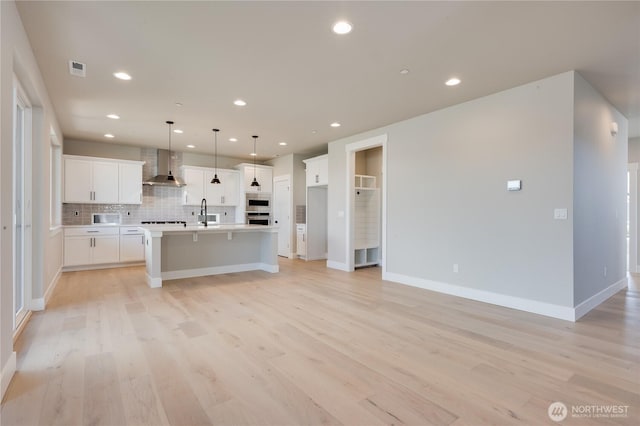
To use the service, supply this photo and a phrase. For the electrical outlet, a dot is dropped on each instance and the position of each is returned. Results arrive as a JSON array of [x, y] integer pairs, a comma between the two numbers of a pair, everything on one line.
[[455, 268]]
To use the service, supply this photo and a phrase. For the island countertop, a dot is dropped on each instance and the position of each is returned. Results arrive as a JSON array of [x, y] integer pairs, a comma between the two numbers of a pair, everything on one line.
[[181, 229]]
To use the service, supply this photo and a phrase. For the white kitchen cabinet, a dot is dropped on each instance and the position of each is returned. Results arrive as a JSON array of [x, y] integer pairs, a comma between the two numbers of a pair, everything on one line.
[[98, 180], [77, 181], [130, 183], [301, 240], [263, 174], [317, 170], [131, 244], [91, 246], [227, 193], [199, 186], [193, 192], [90, 181]]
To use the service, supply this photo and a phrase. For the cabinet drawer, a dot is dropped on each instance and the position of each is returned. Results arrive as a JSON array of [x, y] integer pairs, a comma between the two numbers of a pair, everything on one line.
[[130, 230], [91, 231]]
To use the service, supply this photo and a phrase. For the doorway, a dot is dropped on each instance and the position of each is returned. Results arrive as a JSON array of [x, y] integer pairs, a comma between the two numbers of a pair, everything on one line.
[[282, 203], [366, 204], [21, 204]]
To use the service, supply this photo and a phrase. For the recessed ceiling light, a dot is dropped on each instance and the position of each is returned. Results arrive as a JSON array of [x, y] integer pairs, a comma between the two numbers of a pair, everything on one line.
[[404, 71], [113, 116], [342, 27], [253, 154], [335, 124], [178, 104], [453, 82], [191, 146], [122, 75], [178, 131], [109, 135], [314, 131], [282, 144], [239, 102], [233, 140]]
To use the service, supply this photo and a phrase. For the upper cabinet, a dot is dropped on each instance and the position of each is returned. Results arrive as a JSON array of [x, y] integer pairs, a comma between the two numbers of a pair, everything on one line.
[[227, 192], [317, 170], [263, 174], [199, 186], [130, 183], [193, 192], [102, 181]]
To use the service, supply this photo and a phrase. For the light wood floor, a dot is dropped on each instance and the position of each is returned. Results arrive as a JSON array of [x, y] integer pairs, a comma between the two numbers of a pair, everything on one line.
[[311, 346]]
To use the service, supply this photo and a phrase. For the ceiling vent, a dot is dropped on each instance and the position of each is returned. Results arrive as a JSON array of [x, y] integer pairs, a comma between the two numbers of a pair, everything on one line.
[[77, 68]]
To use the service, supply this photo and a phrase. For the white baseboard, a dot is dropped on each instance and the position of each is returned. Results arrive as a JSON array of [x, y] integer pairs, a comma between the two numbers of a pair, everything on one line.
[[337, 265], [40, 303], [214, 270], [598, 298], [527, 305], [101, 266], [8, 370], [154, 282]]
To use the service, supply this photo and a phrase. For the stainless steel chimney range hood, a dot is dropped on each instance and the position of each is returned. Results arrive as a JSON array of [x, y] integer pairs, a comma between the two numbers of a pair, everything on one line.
[[164, 176]]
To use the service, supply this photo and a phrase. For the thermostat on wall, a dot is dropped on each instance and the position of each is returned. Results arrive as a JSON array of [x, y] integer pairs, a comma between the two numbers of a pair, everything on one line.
[[514, 185]]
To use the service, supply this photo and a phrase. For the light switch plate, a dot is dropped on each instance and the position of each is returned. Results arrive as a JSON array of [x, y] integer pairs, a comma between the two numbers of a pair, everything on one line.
[[514, 185], [560, 214]]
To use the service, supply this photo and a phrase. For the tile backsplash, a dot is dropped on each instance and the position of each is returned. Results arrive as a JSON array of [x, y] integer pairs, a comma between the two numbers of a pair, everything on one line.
[[158, 203]]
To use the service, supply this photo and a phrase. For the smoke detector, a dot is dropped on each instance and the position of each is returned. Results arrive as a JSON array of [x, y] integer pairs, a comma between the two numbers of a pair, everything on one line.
[[77, 68]]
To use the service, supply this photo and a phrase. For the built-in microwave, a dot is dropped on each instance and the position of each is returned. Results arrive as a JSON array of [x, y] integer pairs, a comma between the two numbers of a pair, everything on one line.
[[258, 218], [258, 203]]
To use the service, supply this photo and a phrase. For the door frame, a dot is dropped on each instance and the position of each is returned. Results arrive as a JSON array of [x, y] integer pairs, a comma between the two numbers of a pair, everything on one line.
[[20, 98], [351, 149], [632, 169], [287, 179]]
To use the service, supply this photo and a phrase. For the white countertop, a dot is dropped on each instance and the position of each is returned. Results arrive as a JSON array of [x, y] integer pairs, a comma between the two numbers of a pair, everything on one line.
[[178, 229]]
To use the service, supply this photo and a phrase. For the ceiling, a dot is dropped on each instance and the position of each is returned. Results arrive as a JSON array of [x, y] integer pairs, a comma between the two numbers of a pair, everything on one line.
[[297, 76]]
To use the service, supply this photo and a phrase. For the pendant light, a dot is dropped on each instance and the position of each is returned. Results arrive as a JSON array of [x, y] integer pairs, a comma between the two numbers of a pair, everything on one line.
[[255, 154], [170, 176], [215, 175]]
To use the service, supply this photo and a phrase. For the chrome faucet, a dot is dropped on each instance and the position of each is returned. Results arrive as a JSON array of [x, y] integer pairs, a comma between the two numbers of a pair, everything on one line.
[[203, 211]]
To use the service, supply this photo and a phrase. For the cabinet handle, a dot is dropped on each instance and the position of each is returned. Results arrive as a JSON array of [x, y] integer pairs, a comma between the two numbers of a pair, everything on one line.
[[92, 232], [303, 237], [142, 240]]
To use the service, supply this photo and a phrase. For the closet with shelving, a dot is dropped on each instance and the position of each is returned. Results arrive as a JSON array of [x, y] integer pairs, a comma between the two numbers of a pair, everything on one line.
[[367, 208]]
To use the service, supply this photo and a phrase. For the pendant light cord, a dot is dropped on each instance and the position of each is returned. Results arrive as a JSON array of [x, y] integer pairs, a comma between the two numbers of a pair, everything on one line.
[[170, 123]]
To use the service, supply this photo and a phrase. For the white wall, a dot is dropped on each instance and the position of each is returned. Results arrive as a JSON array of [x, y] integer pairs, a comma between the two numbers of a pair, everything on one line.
[[600, 184], [447, 198], [634, 150], [16, 57]]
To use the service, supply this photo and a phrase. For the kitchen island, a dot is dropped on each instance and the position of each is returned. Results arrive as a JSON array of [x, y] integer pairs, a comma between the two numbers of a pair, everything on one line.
[[177, 251]]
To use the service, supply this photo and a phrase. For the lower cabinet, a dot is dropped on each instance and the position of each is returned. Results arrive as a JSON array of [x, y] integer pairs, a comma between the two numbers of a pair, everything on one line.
[[89, 246], [301, 240], [95, 245], [131, 245]]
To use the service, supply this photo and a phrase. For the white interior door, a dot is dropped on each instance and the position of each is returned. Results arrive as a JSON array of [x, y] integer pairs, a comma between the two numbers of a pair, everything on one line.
[[282, 214]]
